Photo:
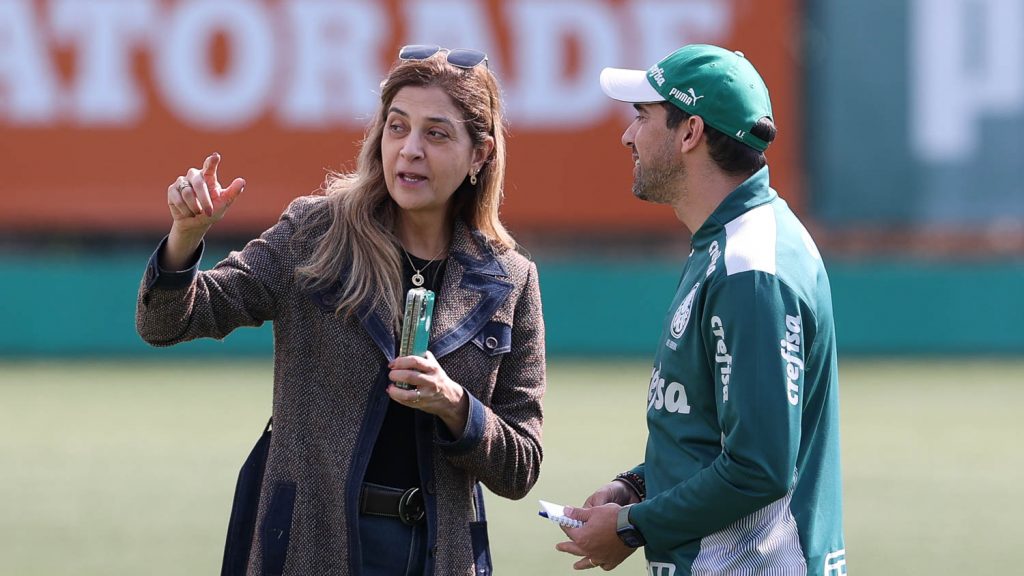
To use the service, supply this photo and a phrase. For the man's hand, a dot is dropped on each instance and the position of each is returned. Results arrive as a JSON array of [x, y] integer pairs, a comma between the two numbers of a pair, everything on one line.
[[596, 541], [614, 492]]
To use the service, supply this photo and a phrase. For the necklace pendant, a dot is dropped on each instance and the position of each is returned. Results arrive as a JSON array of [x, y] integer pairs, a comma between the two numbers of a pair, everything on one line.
[[417, 279]]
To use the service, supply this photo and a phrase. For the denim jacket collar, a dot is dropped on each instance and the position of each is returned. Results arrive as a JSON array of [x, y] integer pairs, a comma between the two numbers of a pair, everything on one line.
[[475, 285]]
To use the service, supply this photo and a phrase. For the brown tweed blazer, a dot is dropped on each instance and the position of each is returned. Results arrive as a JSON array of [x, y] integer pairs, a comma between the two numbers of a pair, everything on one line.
[[330, 373]]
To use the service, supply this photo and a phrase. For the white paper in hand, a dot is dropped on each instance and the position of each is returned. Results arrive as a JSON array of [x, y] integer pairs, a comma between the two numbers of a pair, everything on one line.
[[556, 513]]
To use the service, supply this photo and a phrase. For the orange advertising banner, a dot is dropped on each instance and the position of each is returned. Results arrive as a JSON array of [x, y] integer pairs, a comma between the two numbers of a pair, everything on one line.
[[103, 103]]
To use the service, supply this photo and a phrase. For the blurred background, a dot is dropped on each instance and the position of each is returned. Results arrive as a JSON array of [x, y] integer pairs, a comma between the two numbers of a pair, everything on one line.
[[901, 136]]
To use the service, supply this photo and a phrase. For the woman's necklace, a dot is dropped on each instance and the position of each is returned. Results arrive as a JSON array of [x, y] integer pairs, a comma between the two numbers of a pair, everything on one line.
[[417, 277]]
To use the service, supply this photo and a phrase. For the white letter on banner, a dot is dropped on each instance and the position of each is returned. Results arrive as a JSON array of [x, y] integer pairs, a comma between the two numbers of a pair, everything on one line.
[[337, 74], [104, 31], [28, 83], [545, 94], [452, 24], [661, 26], [184, 72], [966, 63]]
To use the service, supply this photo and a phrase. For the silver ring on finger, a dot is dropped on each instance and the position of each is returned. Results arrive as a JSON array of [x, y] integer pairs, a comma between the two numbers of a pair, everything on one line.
[[182, 185], [592, 563], [416, 400]]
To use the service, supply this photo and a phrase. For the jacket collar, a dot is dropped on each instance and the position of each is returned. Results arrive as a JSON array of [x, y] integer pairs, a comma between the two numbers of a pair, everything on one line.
[[474, 286], [753, 192]]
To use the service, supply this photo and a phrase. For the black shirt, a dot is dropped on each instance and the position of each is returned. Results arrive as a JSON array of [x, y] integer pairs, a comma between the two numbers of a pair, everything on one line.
[[393, 462]]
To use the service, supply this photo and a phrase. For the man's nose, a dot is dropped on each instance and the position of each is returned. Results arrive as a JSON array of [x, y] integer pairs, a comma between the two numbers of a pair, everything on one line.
[[628, 135]]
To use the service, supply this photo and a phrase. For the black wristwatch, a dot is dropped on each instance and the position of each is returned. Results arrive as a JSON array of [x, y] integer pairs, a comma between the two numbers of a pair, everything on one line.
[[628, 533]]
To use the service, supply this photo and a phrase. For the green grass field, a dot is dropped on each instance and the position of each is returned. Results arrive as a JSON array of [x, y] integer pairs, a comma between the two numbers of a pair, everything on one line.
[[128, 468]]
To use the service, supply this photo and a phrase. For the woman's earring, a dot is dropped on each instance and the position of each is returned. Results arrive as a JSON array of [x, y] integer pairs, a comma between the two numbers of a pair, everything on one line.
[[472, 178]]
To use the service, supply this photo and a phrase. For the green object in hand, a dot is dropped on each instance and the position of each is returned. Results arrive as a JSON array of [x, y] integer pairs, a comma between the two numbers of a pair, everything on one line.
[[419, 308]]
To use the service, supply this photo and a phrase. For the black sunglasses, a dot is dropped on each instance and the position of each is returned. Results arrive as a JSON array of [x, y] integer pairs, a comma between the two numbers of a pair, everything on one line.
[[459, 57]]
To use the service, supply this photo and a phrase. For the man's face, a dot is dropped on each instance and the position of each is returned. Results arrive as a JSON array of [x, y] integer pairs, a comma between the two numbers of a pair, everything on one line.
[[657, 168]]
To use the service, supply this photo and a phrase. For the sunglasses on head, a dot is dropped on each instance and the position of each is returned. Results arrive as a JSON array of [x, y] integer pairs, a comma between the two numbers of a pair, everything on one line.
[[459, 57]]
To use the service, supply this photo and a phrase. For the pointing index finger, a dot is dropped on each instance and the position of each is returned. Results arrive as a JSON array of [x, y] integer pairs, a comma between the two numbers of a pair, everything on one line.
[[210, 171]]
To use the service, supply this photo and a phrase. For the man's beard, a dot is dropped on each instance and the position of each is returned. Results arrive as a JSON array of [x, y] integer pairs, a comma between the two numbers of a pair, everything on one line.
[[658, 182]]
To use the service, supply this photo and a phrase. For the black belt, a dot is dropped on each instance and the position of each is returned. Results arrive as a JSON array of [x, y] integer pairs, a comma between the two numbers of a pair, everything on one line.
[[406, 505]]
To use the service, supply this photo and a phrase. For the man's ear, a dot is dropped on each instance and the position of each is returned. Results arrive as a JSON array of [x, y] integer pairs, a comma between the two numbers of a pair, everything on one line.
[[689, 133]]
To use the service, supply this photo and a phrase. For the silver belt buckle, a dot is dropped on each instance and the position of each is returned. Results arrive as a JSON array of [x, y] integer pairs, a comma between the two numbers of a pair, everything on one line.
[[410, 507]]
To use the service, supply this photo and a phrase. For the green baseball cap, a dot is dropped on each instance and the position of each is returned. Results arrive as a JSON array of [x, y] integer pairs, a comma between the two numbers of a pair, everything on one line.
[[720, 86]]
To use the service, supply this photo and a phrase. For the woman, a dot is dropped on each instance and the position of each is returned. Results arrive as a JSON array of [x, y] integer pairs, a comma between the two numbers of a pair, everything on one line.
[[364, 477]]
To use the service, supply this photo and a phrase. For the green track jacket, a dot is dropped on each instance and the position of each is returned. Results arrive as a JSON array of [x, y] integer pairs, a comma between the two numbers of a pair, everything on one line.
[[742, 463]]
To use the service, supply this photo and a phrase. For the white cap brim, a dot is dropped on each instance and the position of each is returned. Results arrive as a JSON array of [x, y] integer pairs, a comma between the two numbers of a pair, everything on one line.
[[628, 86]]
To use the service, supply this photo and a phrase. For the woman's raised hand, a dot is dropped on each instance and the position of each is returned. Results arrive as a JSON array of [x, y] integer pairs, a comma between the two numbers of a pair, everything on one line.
[[197, 200]]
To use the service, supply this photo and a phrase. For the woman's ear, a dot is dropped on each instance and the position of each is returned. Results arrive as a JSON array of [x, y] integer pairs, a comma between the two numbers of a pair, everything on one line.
[[482, 153]]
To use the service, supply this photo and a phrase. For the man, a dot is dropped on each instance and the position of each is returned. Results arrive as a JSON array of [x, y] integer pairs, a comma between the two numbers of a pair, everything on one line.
[[741, 474]]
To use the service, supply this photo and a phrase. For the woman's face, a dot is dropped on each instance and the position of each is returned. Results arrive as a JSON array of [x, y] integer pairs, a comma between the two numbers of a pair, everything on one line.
[[426, 150]]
